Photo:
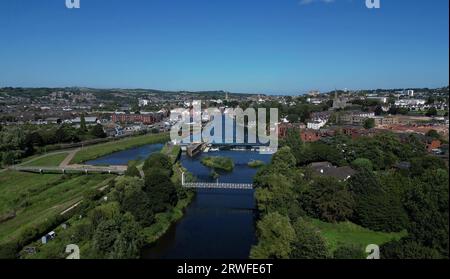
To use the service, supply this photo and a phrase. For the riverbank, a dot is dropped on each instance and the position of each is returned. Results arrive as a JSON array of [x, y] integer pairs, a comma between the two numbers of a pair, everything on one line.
[[255, 164], [96, 151], [165, 220]]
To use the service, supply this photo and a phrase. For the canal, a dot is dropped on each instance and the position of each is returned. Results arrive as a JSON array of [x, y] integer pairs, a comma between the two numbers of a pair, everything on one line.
[[218, 223]]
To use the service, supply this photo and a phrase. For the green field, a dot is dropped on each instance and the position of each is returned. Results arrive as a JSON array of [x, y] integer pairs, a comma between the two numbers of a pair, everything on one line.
[[347, 233], [95, 151], [35, 197], [51, 160]]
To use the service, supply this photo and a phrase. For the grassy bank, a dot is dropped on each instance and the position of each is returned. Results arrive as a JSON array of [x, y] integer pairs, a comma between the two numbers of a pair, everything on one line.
[[51, 160], [255, 164], [172, 151], [29, 200], [163, 221], [96, 151], [347, 233], [219, 163]]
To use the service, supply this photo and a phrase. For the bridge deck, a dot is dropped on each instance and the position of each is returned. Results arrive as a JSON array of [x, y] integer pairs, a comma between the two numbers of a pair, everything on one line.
[[75, 168], [204, 185]]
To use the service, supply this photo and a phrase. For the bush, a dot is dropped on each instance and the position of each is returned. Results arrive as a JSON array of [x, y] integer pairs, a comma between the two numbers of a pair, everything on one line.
[[349, 252], [362, 163], [9, 250], [407, 249], [132, 171], [308, 243], [158, 160]]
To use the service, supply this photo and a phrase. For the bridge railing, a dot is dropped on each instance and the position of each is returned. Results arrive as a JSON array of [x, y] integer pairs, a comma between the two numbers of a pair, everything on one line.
[[205, 185]]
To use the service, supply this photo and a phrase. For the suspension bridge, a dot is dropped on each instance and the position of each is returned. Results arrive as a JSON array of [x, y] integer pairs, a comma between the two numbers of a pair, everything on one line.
[[215, 185]]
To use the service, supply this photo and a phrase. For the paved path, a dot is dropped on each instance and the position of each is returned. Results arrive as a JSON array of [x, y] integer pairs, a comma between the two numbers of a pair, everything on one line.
[[69, 158]]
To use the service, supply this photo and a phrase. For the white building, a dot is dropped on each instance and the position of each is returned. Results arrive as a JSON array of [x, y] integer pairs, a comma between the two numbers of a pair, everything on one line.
[[316, 124], [410, 103], [143, 102], [315, 101]]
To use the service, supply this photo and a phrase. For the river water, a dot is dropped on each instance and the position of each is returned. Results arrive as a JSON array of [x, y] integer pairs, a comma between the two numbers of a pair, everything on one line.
[[218, 223]]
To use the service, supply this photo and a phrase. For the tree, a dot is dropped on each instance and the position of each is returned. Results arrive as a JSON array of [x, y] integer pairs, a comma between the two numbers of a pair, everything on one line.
[[295, 143], [66, 133], [277, 194], [284, 157], [132, 170], [154, 177], [139, 205], [431, 112], [375, 208], [275, 238], [129, 241], [158, 160], [105, 235], [426, 204], [328, 199], [118, 238], [104, 212], [419, 165], [407, 249], [34, 138], [433, 134], [349, 252], [83, 127], [369, 123], [160, 189], [362, 163], [293, 118], [308, 243], [97, 131], [9, 250]]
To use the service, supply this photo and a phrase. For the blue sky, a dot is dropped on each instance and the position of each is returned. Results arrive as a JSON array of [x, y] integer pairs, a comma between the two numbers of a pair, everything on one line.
[[268, 46]]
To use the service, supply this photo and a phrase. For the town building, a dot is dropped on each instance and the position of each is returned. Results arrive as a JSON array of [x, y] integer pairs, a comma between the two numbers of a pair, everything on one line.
[[355, 118], [145, 118]]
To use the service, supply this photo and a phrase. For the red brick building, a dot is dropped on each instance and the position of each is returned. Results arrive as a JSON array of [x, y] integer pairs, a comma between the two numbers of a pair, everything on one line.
[[310, 135], [307, 135], [135, 118], [433, 144]]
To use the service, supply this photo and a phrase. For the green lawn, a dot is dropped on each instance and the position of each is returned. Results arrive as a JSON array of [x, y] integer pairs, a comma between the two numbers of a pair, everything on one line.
[[349, 233], [36, 197], [95, 151], [51, 160]]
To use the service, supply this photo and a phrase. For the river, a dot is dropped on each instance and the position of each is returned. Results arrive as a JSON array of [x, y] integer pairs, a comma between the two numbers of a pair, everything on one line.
[[218, 223]]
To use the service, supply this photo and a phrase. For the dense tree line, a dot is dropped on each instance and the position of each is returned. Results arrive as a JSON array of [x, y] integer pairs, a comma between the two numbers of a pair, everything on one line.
[[378, 197], [19, 142]]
